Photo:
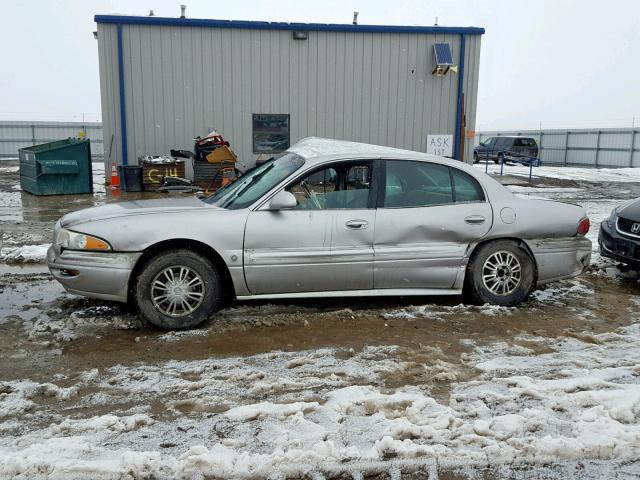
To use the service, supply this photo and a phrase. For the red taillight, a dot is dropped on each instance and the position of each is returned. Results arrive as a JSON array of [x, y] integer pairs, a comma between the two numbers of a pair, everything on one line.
[[583, 226]]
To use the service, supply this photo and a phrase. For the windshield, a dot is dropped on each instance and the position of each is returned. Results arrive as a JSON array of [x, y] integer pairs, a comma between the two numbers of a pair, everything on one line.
[[256, 182]]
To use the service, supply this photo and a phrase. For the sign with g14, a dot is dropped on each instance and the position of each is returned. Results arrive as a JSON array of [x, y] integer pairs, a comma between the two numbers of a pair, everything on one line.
[[440, 145]]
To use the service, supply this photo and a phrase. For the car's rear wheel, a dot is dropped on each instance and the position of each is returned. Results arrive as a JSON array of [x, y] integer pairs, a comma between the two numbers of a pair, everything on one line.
[[178, 289], [500, 273]]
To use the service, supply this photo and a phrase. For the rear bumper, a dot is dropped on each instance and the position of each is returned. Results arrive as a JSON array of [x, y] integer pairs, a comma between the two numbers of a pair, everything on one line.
[[559, 258], [618, 247], [93, 274]]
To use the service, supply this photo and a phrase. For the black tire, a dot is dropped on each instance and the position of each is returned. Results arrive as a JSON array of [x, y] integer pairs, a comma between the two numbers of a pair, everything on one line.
[[209, 289], [475, 157], [479, 291], [499, 159]]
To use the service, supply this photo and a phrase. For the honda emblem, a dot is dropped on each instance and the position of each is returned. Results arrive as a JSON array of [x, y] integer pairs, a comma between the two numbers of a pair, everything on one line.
[[635, 228]]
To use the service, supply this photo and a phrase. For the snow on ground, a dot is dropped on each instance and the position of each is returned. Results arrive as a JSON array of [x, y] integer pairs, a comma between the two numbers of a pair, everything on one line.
[[570, 400], [325, 413], [10, 199], [568, 173], [98, 177]]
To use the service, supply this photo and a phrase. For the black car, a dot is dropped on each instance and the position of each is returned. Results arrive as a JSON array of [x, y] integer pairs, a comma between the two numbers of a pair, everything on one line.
[[506, 148], [619, 236]]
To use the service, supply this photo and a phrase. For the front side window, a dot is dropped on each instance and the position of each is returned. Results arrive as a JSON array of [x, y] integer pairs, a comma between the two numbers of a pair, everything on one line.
[[421, 184], [250, 187], [340, 186], [416, 184]]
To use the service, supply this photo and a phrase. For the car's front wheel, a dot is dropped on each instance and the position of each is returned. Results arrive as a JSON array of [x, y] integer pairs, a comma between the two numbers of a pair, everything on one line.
[[475, 157], [500, 273], [178, 289]]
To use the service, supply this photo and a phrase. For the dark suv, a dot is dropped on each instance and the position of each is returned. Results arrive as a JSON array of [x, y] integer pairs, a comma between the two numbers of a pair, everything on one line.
[[506, 148]]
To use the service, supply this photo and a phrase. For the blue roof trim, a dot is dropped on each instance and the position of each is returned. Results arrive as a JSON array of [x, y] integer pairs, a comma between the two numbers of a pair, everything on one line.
[[318, 27]]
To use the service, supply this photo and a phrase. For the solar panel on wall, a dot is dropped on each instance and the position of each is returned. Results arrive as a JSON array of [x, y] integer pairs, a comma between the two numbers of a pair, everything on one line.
[[443, 54]]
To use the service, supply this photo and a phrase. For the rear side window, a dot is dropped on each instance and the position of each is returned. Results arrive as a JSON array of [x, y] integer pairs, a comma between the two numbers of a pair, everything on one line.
[[466, 188], [421, 184], [416, 184], [525, 142]]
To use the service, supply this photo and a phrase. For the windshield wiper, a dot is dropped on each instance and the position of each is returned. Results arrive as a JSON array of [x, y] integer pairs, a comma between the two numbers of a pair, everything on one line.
[[244, 189]]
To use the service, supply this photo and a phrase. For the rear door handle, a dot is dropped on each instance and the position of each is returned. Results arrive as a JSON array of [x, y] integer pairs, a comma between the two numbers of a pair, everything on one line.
[[357, 224], [475, 219]]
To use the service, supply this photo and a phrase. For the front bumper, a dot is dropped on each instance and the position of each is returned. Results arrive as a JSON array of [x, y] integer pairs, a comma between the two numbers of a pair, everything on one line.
[[559, 258], [617, 246], [103, 275]]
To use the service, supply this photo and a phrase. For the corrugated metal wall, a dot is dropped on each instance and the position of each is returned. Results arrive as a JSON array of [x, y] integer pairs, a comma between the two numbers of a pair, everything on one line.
[[371, 87], [17, 135], [612, 147]]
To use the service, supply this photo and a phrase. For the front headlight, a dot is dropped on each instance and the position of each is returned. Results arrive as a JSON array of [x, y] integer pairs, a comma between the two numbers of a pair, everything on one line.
[[611, 221], [80, 241]]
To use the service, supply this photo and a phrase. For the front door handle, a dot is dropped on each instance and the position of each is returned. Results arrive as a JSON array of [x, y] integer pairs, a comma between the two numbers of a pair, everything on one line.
[[475, 219], [357, 224]]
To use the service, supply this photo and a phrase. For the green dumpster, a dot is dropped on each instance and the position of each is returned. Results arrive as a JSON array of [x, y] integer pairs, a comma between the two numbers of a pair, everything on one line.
[[56, 168]]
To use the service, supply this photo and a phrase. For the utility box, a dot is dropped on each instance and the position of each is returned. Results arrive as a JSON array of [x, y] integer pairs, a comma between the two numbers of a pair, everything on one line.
[[57, 168]]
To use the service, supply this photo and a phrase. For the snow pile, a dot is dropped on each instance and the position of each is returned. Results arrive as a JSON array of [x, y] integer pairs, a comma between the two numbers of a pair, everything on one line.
[[578, 401], [20, 397], [68, 327], [245, 413], [440, 312], [104, 423], [24, 254], [556, 292]]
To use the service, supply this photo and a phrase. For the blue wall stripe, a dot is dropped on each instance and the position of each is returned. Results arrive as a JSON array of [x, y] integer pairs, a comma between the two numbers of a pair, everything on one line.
[[456, 142], [318, 27], [123, 111]]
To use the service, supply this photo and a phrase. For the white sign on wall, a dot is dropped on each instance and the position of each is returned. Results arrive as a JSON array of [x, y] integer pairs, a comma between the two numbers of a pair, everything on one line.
[[440, 145]]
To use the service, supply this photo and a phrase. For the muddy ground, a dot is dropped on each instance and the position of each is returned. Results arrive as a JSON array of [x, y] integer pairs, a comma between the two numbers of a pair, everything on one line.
[[48, 335]]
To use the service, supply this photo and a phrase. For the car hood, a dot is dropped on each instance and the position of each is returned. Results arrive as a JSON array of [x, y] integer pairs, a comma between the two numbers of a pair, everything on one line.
[[631, 210], [136, 207]]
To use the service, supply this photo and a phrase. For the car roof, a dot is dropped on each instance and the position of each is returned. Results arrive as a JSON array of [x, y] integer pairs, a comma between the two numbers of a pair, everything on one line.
[[317, 150], [510, 136]]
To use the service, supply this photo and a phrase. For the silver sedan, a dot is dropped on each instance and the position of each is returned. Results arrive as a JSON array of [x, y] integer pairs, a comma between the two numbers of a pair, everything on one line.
[[326, 218]]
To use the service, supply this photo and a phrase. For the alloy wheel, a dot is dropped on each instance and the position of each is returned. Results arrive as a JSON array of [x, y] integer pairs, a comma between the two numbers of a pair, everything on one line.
[[501, 273], [177, 291]]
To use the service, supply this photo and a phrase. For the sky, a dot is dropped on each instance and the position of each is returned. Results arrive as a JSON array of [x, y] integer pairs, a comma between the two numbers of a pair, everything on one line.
[[544, 63]]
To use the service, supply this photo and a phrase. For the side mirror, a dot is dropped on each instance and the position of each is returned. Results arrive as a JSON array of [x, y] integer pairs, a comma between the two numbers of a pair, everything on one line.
[[283, 201]]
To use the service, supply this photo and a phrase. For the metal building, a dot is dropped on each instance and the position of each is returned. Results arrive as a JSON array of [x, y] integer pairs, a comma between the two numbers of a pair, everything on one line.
[[266, 85]]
